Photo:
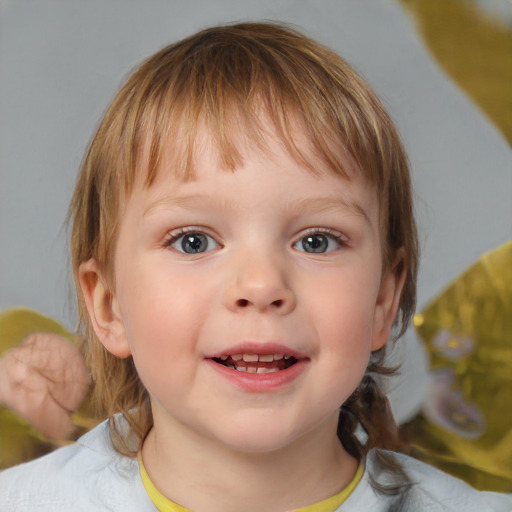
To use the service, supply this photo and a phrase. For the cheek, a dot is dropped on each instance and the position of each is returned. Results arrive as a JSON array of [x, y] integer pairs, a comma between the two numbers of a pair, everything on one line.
[[344, 312], [343, 316], [163, 314]]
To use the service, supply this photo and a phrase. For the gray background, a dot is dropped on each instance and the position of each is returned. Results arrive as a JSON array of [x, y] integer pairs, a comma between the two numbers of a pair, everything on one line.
[[62, 61]]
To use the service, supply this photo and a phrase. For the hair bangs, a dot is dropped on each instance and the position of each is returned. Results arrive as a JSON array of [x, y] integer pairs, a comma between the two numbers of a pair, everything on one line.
[[231, 91]]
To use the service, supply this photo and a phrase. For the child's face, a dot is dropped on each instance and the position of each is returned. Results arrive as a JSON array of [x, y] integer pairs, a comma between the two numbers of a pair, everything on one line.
[[268, 261]]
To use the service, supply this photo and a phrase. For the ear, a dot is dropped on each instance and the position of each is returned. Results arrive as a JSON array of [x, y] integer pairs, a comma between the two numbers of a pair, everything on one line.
[[103, 309], [388, 301]]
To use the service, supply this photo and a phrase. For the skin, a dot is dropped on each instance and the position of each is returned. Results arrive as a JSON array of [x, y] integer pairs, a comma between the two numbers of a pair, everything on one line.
[[44, 379], [272, 449]]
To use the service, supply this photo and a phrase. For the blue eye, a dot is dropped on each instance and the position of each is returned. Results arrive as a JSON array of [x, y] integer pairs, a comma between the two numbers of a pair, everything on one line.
[[318, 243], [193, 243]]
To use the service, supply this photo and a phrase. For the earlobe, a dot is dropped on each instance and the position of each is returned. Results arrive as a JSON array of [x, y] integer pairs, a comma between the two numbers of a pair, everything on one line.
[[388, 301], [103, 309]]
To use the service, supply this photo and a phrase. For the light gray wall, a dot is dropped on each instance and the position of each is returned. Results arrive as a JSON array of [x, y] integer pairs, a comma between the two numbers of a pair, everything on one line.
[[62, 60]]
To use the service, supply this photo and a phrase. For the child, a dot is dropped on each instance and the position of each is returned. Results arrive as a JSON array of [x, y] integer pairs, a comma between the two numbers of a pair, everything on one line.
[[243, 240]]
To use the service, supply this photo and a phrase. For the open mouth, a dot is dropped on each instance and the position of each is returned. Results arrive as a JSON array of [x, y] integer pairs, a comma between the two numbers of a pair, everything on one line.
[[256, 363]]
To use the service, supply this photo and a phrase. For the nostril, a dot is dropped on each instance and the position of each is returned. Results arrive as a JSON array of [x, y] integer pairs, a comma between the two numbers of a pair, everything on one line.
[[277, 304]]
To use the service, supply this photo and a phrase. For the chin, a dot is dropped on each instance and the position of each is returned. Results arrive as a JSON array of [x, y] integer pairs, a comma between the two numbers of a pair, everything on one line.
[[257, 438]]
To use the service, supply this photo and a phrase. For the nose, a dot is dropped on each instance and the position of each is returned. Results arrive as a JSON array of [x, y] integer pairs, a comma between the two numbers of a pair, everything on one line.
[[260, 284]]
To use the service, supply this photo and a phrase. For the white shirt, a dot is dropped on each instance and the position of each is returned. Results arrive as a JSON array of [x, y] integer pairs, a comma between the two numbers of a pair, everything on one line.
[[90, 475]]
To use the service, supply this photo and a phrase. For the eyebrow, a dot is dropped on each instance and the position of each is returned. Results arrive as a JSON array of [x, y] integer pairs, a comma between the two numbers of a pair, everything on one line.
[[184, 201], [309, 205], [331, 204]]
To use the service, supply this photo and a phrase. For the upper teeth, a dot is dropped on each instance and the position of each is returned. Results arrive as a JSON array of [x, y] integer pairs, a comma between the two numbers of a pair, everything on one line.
[[252, 358]]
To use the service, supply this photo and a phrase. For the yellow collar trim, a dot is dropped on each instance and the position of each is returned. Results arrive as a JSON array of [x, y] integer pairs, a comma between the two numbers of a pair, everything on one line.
[[332, 503], [164, 504]]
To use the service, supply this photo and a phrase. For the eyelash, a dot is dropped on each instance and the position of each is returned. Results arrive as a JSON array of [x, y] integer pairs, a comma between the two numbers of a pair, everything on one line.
[[174, 236], [331, 233]]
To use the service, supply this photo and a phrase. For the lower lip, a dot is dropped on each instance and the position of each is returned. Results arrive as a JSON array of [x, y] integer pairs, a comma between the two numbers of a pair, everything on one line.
[[261, 382]]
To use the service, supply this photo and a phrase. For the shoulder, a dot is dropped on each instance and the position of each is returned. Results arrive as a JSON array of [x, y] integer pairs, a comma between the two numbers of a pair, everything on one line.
[[445, 492], [431, 490], [87, 475]]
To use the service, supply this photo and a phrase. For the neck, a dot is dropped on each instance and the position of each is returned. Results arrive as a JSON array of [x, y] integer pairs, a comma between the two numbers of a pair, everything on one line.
[[204, 476]]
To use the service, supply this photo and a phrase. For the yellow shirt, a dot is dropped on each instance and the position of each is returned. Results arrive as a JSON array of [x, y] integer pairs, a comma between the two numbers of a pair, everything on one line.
[[164, 504]]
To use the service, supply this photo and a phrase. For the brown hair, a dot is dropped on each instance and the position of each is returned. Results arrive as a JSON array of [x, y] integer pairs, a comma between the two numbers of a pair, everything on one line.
[[222, 79]]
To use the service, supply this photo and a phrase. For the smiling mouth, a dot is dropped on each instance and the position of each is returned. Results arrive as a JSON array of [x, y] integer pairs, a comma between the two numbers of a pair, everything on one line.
[[256, 363]]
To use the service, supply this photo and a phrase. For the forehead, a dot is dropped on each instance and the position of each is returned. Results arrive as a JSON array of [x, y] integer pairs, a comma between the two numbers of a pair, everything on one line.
[[304, 181]]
